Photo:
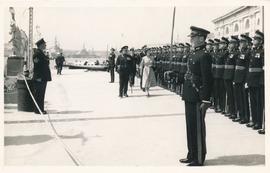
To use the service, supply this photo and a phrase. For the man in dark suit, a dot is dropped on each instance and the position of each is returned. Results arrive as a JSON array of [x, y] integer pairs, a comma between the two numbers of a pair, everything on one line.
[[111, 62], [41, 74], [59, 63], [196, 94], [123, 70]]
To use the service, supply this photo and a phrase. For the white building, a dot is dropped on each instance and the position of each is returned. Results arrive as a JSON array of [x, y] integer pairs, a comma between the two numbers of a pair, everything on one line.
[[243, 20]]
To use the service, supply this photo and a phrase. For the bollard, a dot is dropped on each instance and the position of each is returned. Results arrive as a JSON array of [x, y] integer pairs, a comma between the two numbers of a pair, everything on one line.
[[25, 102]]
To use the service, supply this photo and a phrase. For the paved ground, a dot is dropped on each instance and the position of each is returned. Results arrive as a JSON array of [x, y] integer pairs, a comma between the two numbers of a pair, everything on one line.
[[102, 129]]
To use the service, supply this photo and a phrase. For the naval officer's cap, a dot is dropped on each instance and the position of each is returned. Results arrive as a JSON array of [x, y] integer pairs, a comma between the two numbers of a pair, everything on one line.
[[259, 35], [124, 47], [187, 45], [196, 31], [181, 45], [234, 39], [224, 40], [40, 42], [245, 38], [210, 42]]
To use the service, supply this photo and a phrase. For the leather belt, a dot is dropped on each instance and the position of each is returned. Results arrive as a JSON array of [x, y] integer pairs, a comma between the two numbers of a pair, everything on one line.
[[255, 70], [219, 66], [239, 67], [229, 66]]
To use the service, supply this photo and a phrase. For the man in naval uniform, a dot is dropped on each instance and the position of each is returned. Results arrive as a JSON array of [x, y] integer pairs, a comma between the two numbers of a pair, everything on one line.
[[240, 75], [41, 74], [196, 94], [254, 76], [123, 69]]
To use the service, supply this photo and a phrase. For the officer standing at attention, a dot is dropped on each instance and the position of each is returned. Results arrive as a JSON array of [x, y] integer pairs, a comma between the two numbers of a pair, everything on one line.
[[111, 62], [41, 74], [196, 94], [209, 49], [215, 54], [122, 69], [181, 69], [240, 75], [229, 75], [220, 61], [254, 76]]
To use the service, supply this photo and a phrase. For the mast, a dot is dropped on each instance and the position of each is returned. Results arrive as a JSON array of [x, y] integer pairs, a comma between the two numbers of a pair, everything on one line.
[[174, 8], [30, 40]]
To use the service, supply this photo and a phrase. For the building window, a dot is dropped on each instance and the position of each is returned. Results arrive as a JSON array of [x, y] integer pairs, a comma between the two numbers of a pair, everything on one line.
[[258, 21], [247, 24], [227, 31], [236, 28]]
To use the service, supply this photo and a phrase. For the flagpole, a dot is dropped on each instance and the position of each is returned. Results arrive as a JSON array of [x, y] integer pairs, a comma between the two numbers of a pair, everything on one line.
[[174, 9], [262, 18]]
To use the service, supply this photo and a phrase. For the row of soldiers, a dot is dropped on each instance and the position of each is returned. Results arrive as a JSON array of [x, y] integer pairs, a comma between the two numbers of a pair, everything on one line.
[[237, 70]]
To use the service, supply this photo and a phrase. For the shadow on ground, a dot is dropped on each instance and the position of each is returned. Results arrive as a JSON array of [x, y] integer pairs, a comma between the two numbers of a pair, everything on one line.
[[68, 112], [237, 160], [154, 95], [35, 139], [156, 89]]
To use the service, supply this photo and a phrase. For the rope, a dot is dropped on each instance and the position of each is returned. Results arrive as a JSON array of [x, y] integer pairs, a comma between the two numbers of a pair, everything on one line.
[[56, 135]]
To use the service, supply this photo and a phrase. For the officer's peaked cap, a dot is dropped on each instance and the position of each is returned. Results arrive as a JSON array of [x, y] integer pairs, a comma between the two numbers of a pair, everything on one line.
[[245, 38], [198, 31], [259, 34], [40, 42]]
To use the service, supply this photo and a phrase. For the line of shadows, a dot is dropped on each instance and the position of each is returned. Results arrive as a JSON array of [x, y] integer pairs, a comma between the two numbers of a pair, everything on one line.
[[237, 160], [35, 139], [68, 112], [154, 95], [98, 118]]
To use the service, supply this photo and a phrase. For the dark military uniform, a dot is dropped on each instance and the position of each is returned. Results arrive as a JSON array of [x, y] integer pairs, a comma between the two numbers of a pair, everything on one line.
[[219, 82], [215, 91], [122, 68], [228, 80], [41, 75], [240, 74], [254, 76], [196, 94], [159, 68], [111, 61], [183, 69]]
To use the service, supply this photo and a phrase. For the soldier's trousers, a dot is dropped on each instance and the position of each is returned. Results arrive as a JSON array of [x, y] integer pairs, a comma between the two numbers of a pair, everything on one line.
[[123, 81], [256, 105], [230, 96], [39, 94], [241, 101], [263, 105], [220, 94], [112, 74], [59, 68], [196, 132], [247, 105]]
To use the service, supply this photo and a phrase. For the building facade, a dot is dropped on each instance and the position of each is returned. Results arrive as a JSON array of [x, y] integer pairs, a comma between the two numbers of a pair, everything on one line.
[[243, 20]]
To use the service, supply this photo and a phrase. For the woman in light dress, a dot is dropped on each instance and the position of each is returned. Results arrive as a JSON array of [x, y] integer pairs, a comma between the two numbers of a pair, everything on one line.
[[147, 72]]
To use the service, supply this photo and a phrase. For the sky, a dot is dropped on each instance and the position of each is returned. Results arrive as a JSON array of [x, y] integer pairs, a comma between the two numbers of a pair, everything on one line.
[[102, 26]]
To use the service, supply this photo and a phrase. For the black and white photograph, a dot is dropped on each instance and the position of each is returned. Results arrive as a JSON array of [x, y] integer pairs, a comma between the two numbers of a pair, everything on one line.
[[134, 85]]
